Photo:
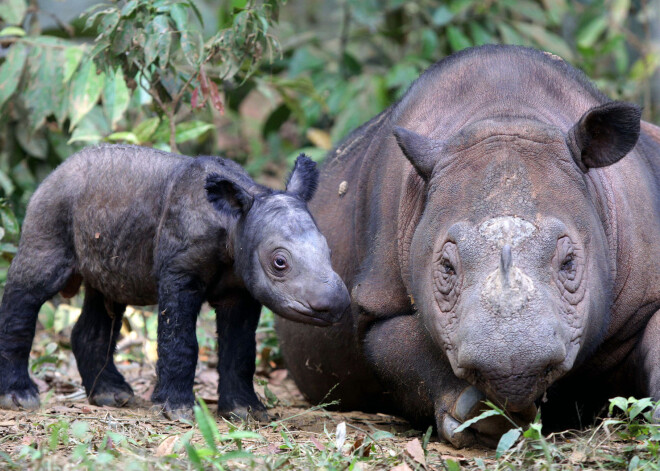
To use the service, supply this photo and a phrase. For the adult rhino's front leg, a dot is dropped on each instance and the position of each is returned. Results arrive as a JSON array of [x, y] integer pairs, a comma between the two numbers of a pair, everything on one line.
[[647, 362], [423, 386]]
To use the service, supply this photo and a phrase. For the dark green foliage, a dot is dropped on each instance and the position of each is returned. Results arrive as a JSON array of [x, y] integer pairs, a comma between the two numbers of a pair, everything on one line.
[[269, 79]]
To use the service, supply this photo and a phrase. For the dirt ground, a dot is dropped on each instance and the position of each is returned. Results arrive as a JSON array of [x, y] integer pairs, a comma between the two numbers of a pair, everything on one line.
[[63, 398]]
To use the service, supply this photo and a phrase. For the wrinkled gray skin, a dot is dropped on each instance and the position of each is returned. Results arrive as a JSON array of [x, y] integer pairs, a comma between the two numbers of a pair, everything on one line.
[[140, 226], [496, 244]]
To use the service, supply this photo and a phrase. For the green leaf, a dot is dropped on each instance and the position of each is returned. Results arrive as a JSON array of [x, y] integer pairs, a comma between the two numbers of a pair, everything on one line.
[[34, 143], [191, 44], [85, 134], [479, 35], [620, 403], [591, 31], [193, 456], [381, 435], [507, 440], [191, 130], [441, 16], [11, 71], [206, 424], [162, 27], [533, 432], [457, 39], [180, 16], [92, 128], [41, 360], [427, 437], [86, 88], [12, 31], [545, 39], [116, 97], [619, 11], [72, 58], [129, 8], [9, 222], [235, 455], [530, 10], [13, 11], [639, 406], [401, 76], [123, 40], [158, 40], [452, 465], [510, 35], [7, 186], [644, 67], [474, 420], [146, 129], [45, 89], [109, 22], [620, 54], [123, 136], [8, 248]]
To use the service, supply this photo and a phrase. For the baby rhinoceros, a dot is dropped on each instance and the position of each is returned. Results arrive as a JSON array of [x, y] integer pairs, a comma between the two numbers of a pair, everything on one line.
[[140, 226]]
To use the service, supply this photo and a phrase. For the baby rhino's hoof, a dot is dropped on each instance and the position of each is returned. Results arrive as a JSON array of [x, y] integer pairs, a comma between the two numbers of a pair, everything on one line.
[[246, 413], [112, 398], [174, 413], [19, 400]]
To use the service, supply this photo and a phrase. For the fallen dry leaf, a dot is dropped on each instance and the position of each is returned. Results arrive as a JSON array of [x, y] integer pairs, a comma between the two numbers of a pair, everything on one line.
[[274, 448], [277, 376], [359, 441], [166, 447], [401, 467], [319, 446], [414, 449]]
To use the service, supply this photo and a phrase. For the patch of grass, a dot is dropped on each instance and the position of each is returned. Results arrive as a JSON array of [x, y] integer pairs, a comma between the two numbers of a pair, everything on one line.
[[628, 440], [68, 434]]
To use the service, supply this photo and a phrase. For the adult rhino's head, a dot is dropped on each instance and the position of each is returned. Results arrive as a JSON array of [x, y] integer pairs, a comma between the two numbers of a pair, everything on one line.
[[511, 268], [279, 252]]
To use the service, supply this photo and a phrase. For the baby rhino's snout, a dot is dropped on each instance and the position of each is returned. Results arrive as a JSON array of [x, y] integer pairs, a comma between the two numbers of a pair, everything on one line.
[[330, 299]]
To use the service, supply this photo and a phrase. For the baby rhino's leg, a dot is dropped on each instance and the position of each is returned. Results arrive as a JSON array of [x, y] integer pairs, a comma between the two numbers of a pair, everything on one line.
[[40, 269], [180, 297], [93, 342], [237, 318]]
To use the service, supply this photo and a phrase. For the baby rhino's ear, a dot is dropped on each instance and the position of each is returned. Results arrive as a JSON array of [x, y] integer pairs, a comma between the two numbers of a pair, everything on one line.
[[304, 178], [227, 195]]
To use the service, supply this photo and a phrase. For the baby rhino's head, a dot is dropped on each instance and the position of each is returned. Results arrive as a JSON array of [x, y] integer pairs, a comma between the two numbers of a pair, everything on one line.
[[279, 252]]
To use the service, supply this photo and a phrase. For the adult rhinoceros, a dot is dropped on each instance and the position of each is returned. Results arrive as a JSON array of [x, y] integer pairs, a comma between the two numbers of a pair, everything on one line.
[[495, 242]]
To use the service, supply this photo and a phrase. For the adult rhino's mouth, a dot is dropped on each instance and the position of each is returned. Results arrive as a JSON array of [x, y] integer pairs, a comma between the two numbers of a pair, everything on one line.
[[515, 392]]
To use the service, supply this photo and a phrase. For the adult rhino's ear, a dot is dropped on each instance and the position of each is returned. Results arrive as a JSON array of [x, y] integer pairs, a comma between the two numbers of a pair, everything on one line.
[[227, 195], [604, 134], [304, 178], [421, 151]]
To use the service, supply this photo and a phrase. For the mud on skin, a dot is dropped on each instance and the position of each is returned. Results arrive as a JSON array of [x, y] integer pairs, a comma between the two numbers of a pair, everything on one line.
[[141, 226], [499, 232]]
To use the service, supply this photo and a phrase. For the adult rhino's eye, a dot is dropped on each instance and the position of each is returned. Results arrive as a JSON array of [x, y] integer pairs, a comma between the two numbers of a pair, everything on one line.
[[448, 267], [568, 264], [447, 282]]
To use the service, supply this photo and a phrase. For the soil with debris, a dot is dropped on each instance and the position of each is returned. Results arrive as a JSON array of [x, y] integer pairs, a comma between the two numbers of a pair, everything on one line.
[[63, 399]]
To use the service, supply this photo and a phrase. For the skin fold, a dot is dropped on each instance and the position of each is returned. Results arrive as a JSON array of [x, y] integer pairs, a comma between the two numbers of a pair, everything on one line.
[[499, 232]]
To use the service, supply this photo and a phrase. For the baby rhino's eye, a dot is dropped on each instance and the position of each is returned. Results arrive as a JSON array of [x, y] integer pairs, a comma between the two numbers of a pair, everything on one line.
[[280, 263]]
